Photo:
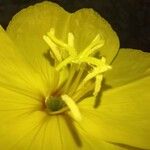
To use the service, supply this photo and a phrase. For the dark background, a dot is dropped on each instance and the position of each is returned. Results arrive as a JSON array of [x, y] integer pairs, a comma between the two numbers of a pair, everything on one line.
[[129, 18]]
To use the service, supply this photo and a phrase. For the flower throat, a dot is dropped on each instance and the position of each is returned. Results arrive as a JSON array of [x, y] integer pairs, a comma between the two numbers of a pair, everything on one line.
[[86, 70]]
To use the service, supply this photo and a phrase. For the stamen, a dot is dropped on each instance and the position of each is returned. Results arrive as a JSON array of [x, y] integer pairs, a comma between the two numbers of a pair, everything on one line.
[[63, 45], [93, 50], [94, 73], [54, 39], [78, 60], [100, 68], [72, 50], [81, 92], [98, 82], [85, 57], [70, 39], [94, 45], [64, 63], [75, 84], [72, 71], [90, 60], [72, 106], [52, 31], [53, 47]]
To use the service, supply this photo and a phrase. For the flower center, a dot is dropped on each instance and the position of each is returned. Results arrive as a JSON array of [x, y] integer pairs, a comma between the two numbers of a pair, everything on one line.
[[83, 67], [54, 103]]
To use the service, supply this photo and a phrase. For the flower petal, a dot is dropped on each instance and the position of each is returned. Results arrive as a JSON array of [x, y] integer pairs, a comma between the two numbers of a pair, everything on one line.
[[86, 24], [22, 89], [122, 116], [28, 27], [75, 137], [129, 65], [36, 130], [19, 76], [19, 128]]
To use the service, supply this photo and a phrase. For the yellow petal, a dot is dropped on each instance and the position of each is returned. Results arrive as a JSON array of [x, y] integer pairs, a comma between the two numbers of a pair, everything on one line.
[[22, 89], [29, 25], [86, 24], [36, 130], [122, 116], [19, 76], [74, 137], [128, 66], [21, 129]]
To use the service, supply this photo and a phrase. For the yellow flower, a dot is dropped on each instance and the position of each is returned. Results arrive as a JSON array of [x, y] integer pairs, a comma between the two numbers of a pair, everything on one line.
[[65, 86]]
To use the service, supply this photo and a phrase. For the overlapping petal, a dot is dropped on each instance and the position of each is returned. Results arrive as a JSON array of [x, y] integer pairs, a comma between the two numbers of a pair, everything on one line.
[[30, 129], [129, 65], [19, 75], [22, 89], [86, 24], [29, 25], [122, 115], [122, 112]]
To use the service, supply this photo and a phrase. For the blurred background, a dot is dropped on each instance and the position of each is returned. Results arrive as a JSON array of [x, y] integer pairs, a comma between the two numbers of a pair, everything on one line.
[[129, 18]]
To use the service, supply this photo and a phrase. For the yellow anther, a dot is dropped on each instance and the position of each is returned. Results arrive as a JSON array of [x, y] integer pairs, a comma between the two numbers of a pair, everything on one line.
[[61, 44], [53, 47], [97, 66], [94, 45], [82, 57], [72, 106], [52, 31], [99, 69], [72, 50], [55, 40], [97, 72], [70, 39]]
